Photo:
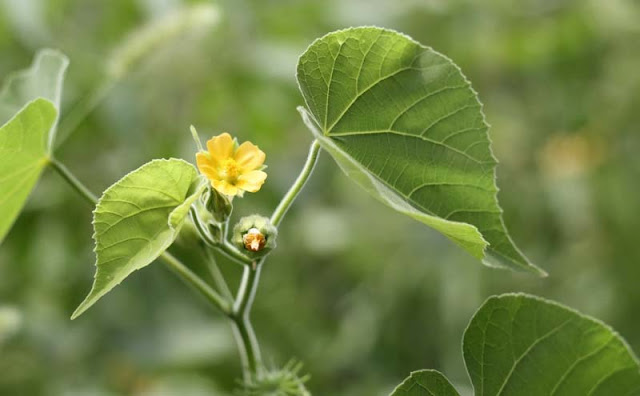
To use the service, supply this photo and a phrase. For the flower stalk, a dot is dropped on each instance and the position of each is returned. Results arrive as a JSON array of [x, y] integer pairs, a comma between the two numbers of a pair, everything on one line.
[[238, 310]]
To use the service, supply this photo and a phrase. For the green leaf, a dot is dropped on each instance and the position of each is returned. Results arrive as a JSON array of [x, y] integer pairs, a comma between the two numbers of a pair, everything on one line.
[[522, 345], [403, 121], [425, 383], [137, 219], [44, 79], [23, 156]]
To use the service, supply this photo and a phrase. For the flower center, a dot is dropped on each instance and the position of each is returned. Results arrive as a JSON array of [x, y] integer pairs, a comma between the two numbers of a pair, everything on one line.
[[229, 170], [254, 240]]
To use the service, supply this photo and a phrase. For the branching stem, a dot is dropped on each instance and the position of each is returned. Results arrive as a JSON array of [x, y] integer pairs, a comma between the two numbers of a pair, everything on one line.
[[239, 312]]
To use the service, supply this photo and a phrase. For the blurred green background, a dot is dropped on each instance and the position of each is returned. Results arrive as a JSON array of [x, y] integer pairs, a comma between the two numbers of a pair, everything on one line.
[[358, 293]]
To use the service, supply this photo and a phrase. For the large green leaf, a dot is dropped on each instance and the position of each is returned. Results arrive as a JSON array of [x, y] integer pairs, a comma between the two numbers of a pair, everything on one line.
[[521, 345], [404, 122], [23, 156], [137, 219], [425, 383], [525, 346], [43, 79]]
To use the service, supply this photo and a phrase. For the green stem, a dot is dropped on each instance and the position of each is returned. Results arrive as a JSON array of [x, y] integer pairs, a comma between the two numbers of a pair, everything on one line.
[[227, 248], [245, 335], [217, 275], [295, 189], [73, 181], [247, 342], [194, 280], [231, 251], [178, 267]]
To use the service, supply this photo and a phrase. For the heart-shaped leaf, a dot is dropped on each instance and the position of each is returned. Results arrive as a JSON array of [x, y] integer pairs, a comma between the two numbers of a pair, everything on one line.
[[403, 121], [425, 383], [137, 219], [23, 156], [43, 79], [521, 345]]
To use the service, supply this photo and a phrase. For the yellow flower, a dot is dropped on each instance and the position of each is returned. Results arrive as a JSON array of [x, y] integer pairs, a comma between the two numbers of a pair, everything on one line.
[[232, 170]]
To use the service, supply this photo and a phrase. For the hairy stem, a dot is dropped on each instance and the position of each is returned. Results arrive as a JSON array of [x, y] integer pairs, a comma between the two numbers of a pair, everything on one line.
[[295, 189]]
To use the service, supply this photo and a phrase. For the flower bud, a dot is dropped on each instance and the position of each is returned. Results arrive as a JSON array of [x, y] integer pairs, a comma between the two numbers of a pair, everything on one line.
[[218, 205], [255, 235]]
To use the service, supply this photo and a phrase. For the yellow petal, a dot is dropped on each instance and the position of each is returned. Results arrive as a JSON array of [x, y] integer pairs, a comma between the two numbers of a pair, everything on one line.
[[224, 187], [251, 181], [249, 157], [203, 160], [220, 147]]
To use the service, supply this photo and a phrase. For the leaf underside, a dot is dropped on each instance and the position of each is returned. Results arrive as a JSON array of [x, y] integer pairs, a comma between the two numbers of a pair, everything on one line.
[[522, 345], [137, 219], [23, 156], [403, 121]]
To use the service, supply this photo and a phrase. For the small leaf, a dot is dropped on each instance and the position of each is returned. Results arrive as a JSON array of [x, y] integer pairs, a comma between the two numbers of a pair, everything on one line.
[[137, 219], [43, 79], [524, 346], [23, 156], [425, 383], [403, 121]]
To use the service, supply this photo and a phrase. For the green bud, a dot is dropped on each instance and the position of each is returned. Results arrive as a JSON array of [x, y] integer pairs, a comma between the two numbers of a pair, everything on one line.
[[255, 235], [217, 204]]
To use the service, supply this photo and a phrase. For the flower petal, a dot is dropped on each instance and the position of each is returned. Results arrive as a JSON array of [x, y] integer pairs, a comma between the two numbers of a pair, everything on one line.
[[220, 147], [251, 181], [249, 157], [224, 187], [205, 165]]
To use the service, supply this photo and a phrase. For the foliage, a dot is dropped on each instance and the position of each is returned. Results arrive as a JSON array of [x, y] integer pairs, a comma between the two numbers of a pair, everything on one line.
[[24, 156], [351, 287], [403, 121], [137, 219], [522, 345]]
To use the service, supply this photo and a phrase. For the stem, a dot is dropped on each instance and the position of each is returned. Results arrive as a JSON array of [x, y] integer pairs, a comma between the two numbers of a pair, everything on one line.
[[176, 265], [227, 248], [194, 280], [233, 252], [73, 181], [295, 189], [217, 275], [245, 335], [246, 339]]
